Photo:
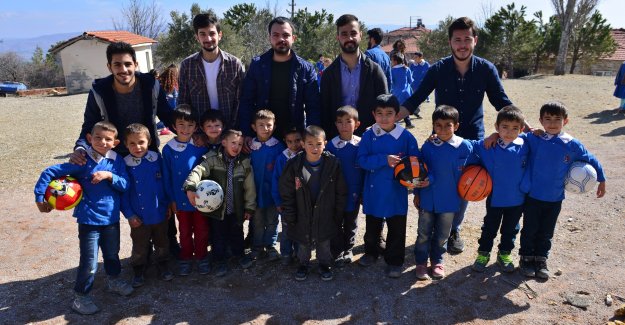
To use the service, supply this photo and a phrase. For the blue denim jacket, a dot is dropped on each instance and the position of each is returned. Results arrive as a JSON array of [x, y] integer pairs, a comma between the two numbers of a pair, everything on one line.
[[256, 89]]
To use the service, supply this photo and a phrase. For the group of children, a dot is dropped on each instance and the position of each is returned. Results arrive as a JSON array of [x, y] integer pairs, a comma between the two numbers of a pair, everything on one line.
[[315, 188]]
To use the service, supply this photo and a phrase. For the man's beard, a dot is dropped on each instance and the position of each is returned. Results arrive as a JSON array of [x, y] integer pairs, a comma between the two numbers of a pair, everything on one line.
[[469, 53], [349, 50], [210, 48], [281, 48]]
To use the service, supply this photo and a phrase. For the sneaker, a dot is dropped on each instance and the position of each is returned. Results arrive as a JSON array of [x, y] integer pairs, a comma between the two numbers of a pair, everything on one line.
[[245, 262], [422, 272], [138, 280], [272, 254], [526, 266], [258, 253], [302, 273], [203, 266], [455, 244], [393, 271], [165, 131], [438, 271], [504, 260], [286, 260], [184, 268], [326, 273], [119, 286], [339, 261], [410, 126], [481, 261], [221, 269], [542, 271], [84, 305], [419, 117], [348, 257], [367, 260]]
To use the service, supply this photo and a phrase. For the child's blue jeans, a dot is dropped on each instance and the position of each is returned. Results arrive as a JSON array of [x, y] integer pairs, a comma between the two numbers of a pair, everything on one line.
[[287, 247], [432, 235], [91, 239], [265, 227], [506, 221]]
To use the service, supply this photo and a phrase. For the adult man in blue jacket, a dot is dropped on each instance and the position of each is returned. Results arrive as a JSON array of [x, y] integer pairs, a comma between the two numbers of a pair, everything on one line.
[[374, 52], [273, 72]]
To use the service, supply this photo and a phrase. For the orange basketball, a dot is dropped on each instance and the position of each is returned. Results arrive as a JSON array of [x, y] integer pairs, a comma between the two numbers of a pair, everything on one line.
[[475, 184]]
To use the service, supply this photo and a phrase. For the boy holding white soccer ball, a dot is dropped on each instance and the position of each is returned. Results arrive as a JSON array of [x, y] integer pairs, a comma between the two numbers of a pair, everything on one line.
[[551, 155]]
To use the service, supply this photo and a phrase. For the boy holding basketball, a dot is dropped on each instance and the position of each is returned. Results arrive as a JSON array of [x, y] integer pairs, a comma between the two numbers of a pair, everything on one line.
[[551, 155], [437, 199], [103, 179], [506, 162], [232, 170], [380, 149]]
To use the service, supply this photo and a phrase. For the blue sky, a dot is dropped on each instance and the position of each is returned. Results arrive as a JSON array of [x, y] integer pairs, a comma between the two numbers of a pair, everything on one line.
[[25, 19]]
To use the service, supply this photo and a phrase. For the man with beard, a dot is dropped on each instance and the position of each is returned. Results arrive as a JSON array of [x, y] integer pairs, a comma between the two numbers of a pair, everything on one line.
[[374, 52], [211, 78], [460, 80], [352, 79], [282, 82]]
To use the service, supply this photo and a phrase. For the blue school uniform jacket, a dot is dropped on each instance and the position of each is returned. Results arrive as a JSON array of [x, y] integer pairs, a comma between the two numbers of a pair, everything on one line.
[[550, 159], [263, 157], [445, 162], [99, 205], [146, 196], [383, 196], [278, 168], [179, 158], [402, 78], [347, 153], [506, 165]]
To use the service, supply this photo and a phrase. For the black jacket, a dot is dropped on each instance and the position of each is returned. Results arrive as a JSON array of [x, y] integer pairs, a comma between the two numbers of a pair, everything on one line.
[[309, 220]]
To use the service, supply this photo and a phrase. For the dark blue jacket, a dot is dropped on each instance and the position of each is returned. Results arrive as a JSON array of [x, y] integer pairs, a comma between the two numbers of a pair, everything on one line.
[[256, 90]]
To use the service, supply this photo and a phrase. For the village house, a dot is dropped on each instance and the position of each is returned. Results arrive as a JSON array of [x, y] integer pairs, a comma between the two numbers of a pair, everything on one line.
[[83, 58]]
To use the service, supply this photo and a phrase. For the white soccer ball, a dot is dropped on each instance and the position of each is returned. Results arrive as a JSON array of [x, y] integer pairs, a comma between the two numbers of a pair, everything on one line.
[[210, 196], [581, 178]]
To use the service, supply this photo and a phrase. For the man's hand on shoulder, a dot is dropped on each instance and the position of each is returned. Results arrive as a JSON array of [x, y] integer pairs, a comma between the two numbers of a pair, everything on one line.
[[78, 157]]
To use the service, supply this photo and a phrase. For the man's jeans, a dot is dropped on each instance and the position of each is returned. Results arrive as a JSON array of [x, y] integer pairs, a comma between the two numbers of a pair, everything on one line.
[[91, 239], [432, 235]]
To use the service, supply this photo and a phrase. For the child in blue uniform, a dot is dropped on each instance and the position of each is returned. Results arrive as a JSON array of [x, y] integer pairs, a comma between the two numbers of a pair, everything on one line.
[[385, 200], [145, 204], [265, 149], [345, 147], [506, 163], [550, 158], [437, 200], [293, 140], [180, 155], [402, 78], [103, 179]]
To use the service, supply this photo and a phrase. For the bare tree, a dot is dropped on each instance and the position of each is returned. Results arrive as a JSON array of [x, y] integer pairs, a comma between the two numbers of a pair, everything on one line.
[[142, 18], [575, 13], [11, 67]]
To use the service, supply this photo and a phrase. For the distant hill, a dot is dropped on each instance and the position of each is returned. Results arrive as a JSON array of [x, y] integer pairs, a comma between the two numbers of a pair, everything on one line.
[[25, 47]]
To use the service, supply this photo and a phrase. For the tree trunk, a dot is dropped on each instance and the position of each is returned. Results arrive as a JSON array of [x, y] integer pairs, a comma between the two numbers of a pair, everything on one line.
[[564, 40], [574, 60]]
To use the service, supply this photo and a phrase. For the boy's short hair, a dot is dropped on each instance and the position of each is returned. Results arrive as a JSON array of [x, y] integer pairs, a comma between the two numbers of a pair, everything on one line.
[[446, 112], [419, 54], [386, 100], [315, 132], [263, 114], [230, 132], [397, 57], [183, 112], [292, 130], [105, 126], [510, 113], [281, 21], [462, 23], [137, 128], [376, 34], [205, 20], [120, 48], [344, 20], [212, 115], [347, 110], [554, 108]]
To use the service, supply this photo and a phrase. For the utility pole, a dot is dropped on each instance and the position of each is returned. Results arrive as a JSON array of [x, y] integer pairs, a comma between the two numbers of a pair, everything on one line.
[[292, 12]]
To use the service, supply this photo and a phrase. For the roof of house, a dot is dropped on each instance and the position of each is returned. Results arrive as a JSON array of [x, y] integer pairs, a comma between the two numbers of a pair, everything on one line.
[[410, 35], [619, 38], [106, 36]]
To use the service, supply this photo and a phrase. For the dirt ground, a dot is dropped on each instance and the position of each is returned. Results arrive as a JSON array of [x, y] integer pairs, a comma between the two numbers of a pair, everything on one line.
[[39, 252]]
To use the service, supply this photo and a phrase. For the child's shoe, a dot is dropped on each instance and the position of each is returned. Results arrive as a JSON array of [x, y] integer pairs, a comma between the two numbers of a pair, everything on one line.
[[422, 272], [245, 262], [258, 253], [455, 244], [286, 260], [526, 266], [84, 305], [184, 268], [325, 272], [438, 271], [481, 261], [348, 257], [302, 272], [504, 260], [119, 286], [204, 266], [221, 269], [138, 280], [272, 254], [541, 268], [367, 260], [164, 272], [393, 271]]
